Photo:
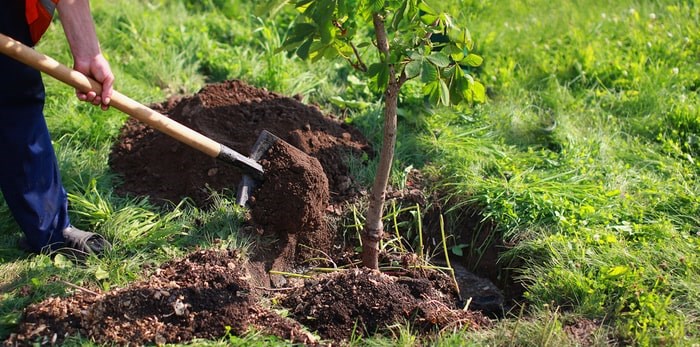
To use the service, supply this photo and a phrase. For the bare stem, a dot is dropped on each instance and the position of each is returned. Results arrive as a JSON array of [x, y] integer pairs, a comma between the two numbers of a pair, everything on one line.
[[360, 65], [75, 286], [374, 226]]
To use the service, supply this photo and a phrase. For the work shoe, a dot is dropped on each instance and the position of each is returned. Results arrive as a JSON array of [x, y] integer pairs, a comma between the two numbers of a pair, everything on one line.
[[84, 241], [78, 243]]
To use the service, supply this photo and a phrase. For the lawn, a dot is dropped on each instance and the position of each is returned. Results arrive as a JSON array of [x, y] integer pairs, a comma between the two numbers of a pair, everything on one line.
[[579, 173]]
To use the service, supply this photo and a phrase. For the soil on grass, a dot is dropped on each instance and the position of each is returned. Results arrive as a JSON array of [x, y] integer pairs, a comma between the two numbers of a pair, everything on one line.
[[305, 181], [208, 293], [201, 296], [362, 302], [232, 113]]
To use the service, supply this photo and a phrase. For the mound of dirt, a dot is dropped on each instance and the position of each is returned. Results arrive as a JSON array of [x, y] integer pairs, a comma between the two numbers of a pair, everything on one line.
[[203, 295], [293, 200], [364, 302], [233, 113], [209, 293]]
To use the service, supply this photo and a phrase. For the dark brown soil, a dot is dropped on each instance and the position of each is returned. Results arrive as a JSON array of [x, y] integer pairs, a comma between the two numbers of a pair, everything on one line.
[[209, 292], [200, 296], [364, 302], [293, 200], [232, 113]]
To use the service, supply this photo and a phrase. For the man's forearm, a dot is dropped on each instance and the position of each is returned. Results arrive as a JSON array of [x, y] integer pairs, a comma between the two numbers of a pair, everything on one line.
[[87, 57], [79, 28]]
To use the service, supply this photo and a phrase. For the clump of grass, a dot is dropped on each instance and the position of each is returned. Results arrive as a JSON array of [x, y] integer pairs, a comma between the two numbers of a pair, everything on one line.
[[597, 203]]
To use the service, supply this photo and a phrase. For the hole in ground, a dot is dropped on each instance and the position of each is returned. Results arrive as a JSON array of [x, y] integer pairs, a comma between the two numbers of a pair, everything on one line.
[[476, 246]]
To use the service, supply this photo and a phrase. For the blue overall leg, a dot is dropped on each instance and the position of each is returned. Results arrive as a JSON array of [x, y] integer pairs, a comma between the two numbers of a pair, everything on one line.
[[29, 176]]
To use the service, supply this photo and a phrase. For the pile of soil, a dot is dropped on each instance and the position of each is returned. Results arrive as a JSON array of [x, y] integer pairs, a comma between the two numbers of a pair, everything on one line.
[[292, 201], [207, 294], [203, 294], [233, 113], [364, 302], [200, 296]]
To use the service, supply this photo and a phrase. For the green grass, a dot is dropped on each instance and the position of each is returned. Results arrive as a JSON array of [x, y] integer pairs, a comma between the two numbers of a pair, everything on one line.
[[585, 156]]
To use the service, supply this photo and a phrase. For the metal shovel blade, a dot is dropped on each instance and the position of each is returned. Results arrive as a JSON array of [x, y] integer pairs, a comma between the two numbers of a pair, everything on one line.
[[249, 183]]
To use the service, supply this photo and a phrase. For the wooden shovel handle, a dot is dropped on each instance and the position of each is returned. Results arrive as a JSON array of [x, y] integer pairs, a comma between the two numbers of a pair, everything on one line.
[[77, 80]]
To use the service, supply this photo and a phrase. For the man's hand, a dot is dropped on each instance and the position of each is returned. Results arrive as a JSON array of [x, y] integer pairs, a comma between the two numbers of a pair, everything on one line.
[[87, 57], [98, 69]]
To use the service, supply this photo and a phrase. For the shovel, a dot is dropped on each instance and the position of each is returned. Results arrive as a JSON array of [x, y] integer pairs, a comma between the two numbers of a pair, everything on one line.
[[252, 170]]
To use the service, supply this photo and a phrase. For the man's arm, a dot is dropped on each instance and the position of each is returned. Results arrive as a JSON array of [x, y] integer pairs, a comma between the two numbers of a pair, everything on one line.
[[87, 57]]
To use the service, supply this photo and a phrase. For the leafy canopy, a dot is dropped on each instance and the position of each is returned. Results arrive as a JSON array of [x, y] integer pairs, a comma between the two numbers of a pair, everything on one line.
[[424, 44]]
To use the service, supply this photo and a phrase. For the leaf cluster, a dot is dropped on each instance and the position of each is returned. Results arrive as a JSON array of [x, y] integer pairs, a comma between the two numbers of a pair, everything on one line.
[[423, 44]]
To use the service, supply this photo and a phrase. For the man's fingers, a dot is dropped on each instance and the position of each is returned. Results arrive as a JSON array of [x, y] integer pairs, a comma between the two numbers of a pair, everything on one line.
[[91, 95], [107, 89], [97, 68]]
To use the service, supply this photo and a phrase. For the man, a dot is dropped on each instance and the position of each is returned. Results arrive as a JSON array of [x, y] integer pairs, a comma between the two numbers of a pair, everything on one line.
[[29, 176]]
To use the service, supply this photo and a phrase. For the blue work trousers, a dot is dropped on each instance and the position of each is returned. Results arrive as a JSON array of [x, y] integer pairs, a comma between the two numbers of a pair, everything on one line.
[[29, 176]]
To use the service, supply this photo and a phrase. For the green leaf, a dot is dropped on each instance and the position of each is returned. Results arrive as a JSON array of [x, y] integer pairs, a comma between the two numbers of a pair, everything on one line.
[[330, 52], [444, 93], [413, 68], [343, 48], [269, 7], [377, 5], [457, 250], [323, 12], [303, 51], [478, 92], [429, 19], [303, 5], [426, 8], [327, 31], [415, 55], [473, 60], [616, 271], [343, 7], [440, 59], [461, 37], [383, 77], [380, 72], [432, 90], [453, 52], [373, 69], [302, 30], [400, 12], [62, 262], [445, 21], [101, 274], [459, 86], [428, 73]]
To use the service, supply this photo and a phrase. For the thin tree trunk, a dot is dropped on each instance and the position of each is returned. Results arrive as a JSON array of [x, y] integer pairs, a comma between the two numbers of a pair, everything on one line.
[[374, 227]]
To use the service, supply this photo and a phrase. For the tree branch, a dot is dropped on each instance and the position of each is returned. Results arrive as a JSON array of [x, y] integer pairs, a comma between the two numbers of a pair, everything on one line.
[[359, 65], [380, 32]]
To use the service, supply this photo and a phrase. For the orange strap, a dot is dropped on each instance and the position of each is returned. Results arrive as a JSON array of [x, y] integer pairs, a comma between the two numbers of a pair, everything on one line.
[[39, 14]]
